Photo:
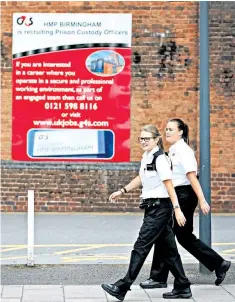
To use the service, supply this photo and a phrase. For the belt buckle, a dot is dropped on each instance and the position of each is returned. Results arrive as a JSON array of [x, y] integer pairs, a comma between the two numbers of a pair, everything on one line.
[[143, 204], [157, 203]]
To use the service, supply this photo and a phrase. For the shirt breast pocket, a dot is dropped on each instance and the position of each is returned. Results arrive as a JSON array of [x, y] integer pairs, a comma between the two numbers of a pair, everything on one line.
[[150, 180], [175, 160], [150, 174]]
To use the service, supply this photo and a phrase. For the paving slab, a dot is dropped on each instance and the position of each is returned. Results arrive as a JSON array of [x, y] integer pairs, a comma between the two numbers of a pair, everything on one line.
[[57, 288], [230, 288], [43, 293], [157, 292], [136, 295], [87, 300], [10, 300], [210, 293], [79, 291], [171, 300], [12, 291], [213, 299], [155, 295], [41, 299]]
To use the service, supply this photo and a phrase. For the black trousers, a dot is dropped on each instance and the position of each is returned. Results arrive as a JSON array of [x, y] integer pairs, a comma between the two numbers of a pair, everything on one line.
[[208, 257], [156, 229]]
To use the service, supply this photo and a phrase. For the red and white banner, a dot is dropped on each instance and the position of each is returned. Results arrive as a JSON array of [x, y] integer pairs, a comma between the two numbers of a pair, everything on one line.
[[71, 87]]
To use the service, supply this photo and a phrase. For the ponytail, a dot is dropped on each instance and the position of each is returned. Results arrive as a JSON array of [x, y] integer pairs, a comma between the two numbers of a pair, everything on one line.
[[185, 134], [160, 144], [184, 127]]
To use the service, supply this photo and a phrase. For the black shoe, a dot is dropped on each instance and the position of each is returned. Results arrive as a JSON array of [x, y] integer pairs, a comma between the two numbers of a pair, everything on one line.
[[114, 291], [221, 272], [150, 283], [178, 294]]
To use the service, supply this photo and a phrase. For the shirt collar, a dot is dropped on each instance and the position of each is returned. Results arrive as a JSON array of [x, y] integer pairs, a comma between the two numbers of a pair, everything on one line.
[[175, 145], [150, 154]]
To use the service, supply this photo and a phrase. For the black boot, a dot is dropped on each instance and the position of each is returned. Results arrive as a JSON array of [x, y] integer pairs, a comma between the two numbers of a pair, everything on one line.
[[178, 294], [114, 291], [221, 272], [150, 283]]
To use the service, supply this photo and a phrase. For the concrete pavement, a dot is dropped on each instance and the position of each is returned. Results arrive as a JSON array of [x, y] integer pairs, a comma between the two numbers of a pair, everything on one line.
[[71, 293]]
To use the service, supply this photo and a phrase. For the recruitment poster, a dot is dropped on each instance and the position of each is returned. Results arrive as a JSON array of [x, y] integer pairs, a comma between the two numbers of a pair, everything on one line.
[[71, 87]]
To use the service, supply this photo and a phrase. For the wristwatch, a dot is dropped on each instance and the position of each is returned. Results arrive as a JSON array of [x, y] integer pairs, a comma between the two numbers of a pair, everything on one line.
[[176, 206]]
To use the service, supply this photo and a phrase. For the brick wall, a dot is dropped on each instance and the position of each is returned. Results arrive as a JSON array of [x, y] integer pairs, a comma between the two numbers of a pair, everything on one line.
[[164, 85], [65, 187], [222, 92]]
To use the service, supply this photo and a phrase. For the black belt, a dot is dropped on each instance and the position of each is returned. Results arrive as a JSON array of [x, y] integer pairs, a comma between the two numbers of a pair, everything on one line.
[[150, 202], [183, 188]]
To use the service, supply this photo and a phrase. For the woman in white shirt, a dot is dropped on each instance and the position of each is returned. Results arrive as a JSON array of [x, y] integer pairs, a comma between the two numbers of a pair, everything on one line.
[[159, 199], [189, 193]]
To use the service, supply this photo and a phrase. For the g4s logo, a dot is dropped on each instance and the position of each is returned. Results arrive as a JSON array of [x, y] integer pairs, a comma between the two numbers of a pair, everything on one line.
[[22, 20]]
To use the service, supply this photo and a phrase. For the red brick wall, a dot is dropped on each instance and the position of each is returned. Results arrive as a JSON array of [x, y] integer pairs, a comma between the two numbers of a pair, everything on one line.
[[164, 85], [222, 94]]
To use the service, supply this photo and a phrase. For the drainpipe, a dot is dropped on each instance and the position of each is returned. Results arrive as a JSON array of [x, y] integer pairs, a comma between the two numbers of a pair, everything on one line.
[[205, 180]]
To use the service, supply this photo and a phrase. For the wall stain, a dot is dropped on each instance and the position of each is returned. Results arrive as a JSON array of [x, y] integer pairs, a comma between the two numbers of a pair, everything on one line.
[[136, 57], [227, 77], [172, 59], [6, 62]]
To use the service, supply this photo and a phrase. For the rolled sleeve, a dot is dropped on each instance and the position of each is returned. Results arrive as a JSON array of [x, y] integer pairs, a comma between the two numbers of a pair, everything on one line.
[[163, 168], [188, 161]]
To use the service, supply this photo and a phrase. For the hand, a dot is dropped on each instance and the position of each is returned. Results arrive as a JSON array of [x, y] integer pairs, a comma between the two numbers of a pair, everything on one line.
[[205, 208], [115, 195], [181, 220]]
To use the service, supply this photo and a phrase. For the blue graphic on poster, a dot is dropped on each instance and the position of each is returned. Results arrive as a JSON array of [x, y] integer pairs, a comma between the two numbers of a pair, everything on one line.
[[105, 63]]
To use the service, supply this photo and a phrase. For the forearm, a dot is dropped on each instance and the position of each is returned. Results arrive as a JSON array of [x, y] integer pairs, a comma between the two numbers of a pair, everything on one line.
[[171, 191], [134, 184], [196, 186], [174, 199]]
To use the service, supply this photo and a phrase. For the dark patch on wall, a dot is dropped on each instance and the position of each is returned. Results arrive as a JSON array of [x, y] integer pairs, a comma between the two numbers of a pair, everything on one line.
[[226, 77], [224, 80], [136, 57], [6, 62], [222, 47], [139, 69], [172, 59]]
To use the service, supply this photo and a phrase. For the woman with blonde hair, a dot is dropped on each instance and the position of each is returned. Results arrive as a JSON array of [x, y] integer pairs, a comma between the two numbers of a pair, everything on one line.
[[159, 200]]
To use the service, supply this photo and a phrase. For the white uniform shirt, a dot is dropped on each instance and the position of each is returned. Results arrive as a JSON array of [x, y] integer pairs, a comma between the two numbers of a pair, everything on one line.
[[152, 181], [183, 161]]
